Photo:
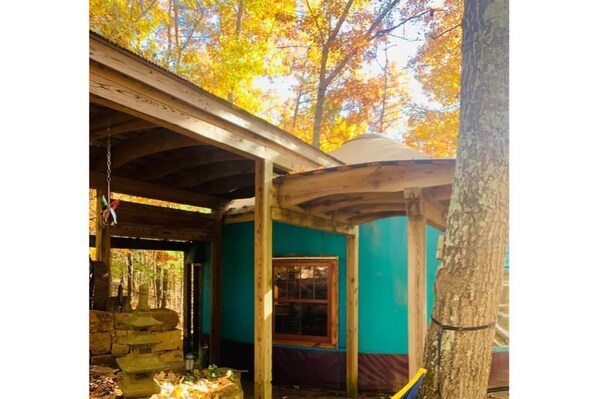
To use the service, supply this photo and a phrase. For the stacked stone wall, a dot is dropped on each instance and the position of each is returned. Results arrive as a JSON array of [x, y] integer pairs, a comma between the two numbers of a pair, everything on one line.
[[107, 331]]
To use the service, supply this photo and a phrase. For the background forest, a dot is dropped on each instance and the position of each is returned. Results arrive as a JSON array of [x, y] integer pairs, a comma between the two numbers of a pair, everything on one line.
[[323, 70]]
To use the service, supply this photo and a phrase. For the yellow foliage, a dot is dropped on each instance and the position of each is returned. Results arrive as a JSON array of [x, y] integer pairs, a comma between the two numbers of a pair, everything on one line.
[[438, 68]]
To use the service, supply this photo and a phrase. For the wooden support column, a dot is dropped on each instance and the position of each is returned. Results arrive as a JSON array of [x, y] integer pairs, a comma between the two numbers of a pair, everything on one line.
[[352, 313], [416, 278], [216, 294], [102, 237], [263, 280], [197, 272], [187, 303]]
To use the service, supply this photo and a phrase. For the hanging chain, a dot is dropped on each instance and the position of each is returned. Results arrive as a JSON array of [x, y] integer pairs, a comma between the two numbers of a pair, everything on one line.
[[108, 166]]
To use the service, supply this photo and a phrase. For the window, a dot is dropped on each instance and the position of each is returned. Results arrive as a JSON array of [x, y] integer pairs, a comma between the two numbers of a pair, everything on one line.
[[305, 301]]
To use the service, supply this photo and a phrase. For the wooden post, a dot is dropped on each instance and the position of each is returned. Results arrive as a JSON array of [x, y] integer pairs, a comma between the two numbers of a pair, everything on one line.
[[216, 294], [102, 238], [187, 304], [352, 313], [263, 280], [416, 278], [197, 308]]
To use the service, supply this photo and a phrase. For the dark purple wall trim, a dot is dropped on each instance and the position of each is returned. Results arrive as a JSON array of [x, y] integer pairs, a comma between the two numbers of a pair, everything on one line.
[[326, 369]]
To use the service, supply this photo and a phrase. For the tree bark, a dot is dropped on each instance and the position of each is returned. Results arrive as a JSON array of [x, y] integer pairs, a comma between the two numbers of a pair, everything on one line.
[[468, 282], [130, 279]]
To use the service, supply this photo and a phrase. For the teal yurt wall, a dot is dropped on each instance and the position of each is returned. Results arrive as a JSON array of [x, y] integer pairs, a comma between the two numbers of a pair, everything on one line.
[[382, 279]]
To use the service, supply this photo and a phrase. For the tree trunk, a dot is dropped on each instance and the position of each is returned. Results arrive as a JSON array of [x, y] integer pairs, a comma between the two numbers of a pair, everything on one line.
[[322, 86], [469, 280], [130, 279], [164, 286]]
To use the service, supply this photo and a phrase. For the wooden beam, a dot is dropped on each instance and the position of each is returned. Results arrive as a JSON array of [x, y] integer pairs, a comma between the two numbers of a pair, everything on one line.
[[187, 303], [333, 203], [197, 271], [115, 91], [312, 222], [226, 184], [102, 234], [148, 190], [138, 243], [216, 295], [371, 216], [416, 278], [211, 172], [297, 189], [435, 215], [162, 232], [186, 158], [222, 114], [353, 314], [132, 124], [148, 143], [295, 218], [439, 193], [263, 281]]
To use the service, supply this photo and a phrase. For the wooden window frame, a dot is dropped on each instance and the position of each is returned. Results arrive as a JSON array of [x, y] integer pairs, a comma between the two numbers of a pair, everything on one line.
[[331, 340]]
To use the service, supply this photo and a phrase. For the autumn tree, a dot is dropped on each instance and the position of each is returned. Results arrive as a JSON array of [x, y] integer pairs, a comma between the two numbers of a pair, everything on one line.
[[468, 284], [338, 38], [434, 126]]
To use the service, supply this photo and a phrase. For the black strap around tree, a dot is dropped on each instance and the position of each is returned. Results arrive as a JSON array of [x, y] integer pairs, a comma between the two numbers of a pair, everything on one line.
[[439, 342]]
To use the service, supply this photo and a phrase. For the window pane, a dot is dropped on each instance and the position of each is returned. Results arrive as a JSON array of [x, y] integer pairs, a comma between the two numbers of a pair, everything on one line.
[[307, 282], [321, 282], [293, 277], [280, 281], [302, 319]]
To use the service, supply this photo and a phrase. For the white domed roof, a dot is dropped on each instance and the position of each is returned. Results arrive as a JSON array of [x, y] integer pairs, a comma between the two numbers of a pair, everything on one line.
[[373, 148]]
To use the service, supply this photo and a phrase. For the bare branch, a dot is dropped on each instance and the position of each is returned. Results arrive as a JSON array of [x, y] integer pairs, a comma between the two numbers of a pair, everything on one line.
[[341, 20], [445, 32], [316, 21]]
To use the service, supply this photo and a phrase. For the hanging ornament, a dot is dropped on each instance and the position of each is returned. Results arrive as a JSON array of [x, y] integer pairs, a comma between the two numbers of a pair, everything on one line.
[[108, 208]]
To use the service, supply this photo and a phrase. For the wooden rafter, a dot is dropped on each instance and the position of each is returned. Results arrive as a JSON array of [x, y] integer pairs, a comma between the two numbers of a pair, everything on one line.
[[382, 177], [213, 172], [226, 184], [154, 191], [146, 144], [186, 158], [129, 125], [123, 81]]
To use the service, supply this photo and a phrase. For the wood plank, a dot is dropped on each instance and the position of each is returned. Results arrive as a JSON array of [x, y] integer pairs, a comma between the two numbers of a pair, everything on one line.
[[211, 172], [333, 203], [263, 281], [353, 314], [216, 295], [226, 185], [115, 91], [187, 303], [310, 221], [224, 113], [148, 190], [131, 124], [435, 214], [103, 253], [416, 278], [161, 232], [187, 158], [151, 142], [297, 189], [139, 243], [370, 217], [295, 218], [197, 271], [364, 209]]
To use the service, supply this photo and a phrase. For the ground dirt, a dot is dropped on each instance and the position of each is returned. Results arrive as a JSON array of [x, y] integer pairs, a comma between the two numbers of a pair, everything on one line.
[[103, 385]]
